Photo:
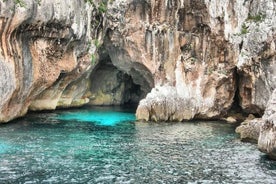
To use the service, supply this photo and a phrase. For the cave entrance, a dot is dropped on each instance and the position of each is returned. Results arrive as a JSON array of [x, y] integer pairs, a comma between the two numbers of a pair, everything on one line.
[[111, 86], [236, 109]]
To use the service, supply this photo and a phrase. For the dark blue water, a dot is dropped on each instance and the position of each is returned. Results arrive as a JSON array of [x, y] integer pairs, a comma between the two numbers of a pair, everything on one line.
[[108, 146]]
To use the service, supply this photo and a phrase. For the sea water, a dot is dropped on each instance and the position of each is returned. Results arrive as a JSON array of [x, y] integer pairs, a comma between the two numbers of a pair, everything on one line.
[[107, 145]]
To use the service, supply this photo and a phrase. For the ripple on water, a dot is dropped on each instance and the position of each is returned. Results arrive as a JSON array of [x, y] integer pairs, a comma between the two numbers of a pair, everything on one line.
[[4, 147], [77, 147]]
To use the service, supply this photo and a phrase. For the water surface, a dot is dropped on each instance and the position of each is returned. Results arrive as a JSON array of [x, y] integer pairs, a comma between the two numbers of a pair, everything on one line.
[[107, 146]]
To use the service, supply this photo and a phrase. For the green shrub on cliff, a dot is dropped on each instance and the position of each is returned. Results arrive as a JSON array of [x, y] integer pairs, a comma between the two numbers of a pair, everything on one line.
[[244, 29], [256, 18], [93, 59], [101, 7], [21, 3]]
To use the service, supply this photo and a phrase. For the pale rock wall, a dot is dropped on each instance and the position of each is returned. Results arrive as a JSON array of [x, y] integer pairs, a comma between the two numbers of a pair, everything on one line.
[[257, 58], [174, 40], [42, 52], [267, 137], [201, 51]]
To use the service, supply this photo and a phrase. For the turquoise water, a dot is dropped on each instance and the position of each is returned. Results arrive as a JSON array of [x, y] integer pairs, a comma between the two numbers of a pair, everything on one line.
[[106, 145], [104, 118], [4, 147]]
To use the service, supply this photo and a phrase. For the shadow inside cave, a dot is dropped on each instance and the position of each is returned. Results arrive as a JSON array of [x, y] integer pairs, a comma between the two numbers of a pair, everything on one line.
[[110, 85]]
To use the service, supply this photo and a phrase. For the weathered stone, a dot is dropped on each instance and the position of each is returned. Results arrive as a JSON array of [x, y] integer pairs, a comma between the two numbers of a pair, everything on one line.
[[263, 129], [181, 52], [257, 58], [166, 105], [249, 130], [43, 51], [267, 138], [197, 52]]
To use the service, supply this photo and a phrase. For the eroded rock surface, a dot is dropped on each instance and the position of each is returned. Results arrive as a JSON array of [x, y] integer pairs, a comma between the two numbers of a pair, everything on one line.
[[257, 58], [267, 138], [249, 130], [204, 51], [43, 51]]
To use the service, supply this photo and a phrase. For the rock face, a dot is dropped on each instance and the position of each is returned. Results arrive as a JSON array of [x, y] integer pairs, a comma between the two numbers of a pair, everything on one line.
[[199, 54], [42, 55], [249, 130], [185, 54], [267, 138], [257, 59], [194, 59], [262, 130]]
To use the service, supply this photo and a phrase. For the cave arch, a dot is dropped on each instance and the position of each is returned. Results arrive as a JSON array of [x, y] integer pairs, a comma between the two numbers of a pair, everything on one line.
[[113, 84]]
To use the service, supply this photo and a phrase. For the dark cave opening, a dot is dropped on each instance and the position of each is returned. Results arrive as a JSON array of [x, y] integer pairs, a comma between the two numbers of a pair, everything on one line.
[[236, 101], [236, 108], [111, 86]]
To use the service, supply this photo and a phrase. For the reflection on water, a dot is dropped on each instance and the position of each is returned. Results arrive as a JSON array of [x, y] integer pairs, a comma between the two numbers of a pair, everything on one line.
[[108, 146]]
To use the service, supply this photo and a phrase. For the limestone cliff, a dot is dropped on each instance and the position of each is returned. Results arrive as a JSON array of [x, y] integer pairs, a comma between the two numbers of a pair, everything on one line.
[[42, 53], [187, 58], [201, 55]]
